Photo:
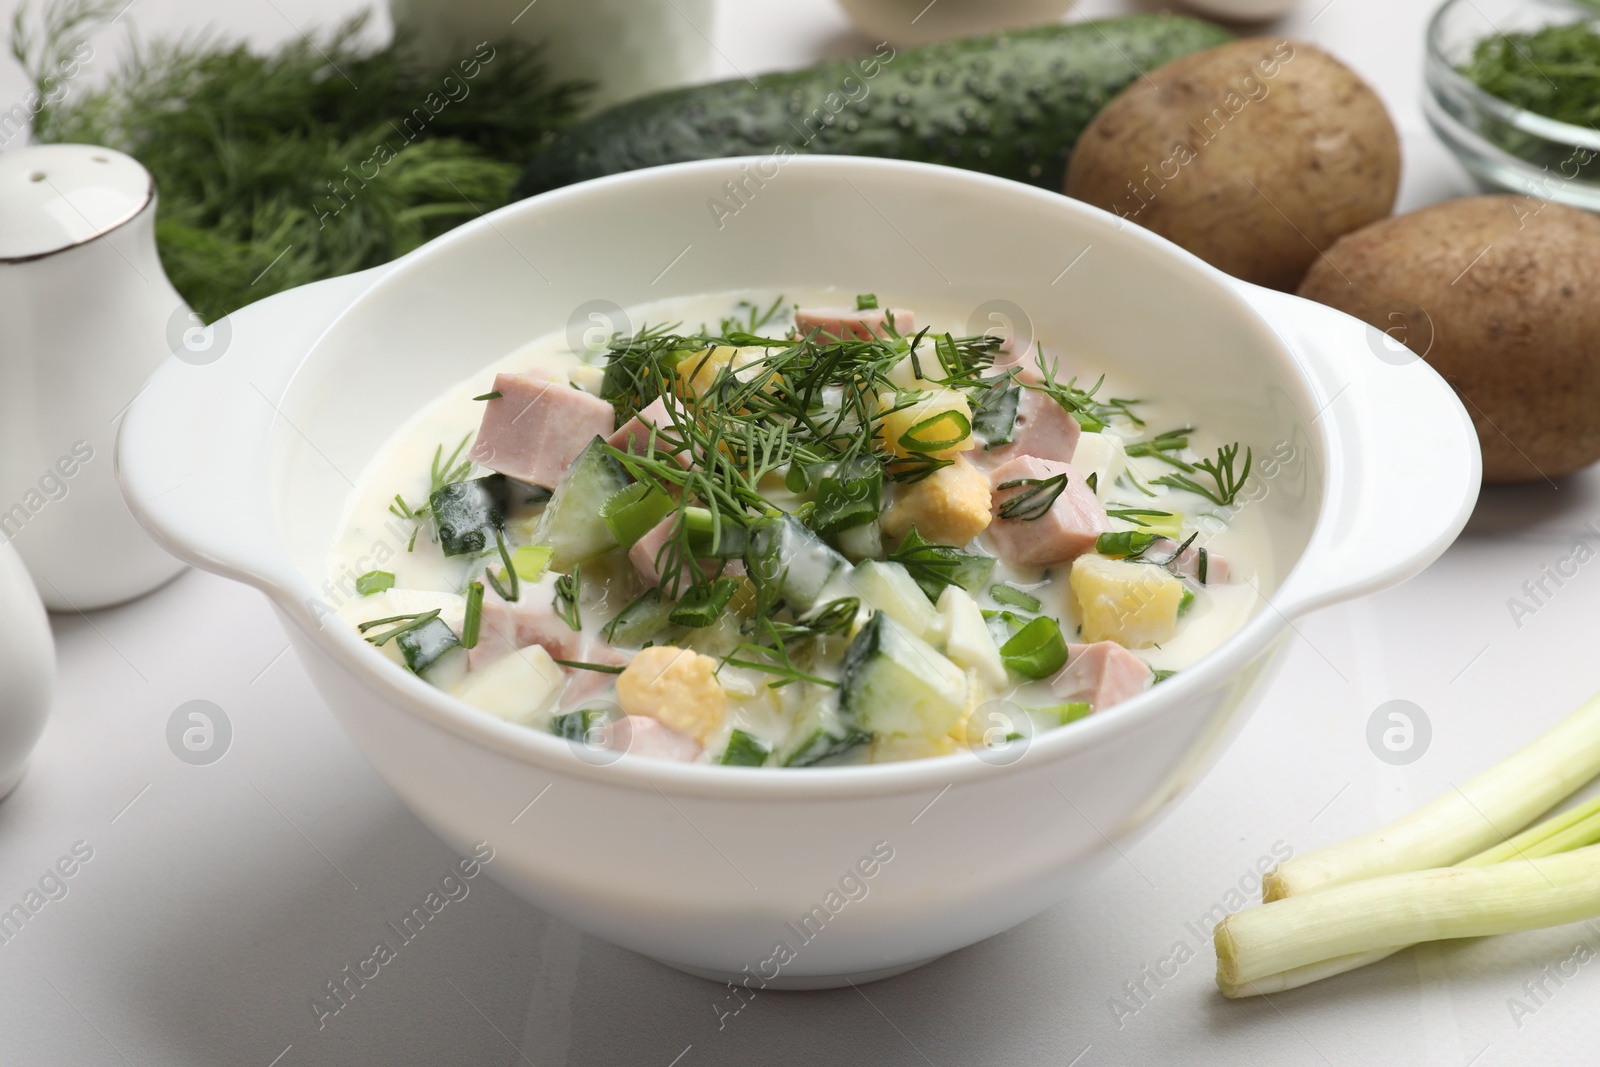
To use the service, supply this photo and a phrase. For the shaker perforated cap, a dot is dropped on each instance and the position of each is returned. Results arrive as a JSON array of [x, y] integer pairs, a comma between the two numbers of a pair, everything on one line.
[[53, 197]]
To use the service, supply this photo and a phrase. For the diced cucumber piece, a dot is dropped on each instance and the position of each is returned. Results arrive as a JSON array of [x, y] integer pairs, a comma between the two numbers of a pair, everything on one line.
[[583, 725], [745, 751], [967, 641], [861, 542], [893, 682], [516, 687], [467, 514], [572, 524], [703, 605], [890, 588], [422, 646], [640, 621], [821, 744], [851, 494], [635, 511], [783, 552]]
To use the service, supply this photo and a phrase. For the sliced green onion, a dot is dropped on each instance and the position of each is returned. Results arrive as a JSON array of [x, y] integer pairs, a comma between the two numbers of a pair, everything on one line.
[[1159, 676], [474, 618], [1185, 602], [1124, 544], [1014, 597], [1037, 650], [1071, 711], [632, 512], [374, 582], [713, 535], [745, 751], [703, 605], [578, 725], [492, 395], [530, 562], [867, 302], [937, 432], [851, 495], [422, 645]]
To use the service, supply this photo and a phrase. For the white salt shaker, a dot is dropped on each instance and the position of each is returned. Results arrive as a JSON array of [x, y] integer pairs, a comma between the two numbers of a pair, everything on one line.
[[88, 314], [27, 669]]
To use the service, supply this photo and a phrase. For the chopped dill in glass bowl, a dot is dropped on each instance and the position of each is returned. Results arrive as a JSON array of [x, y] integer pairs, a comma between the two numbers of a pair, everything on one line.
[[1513, 89]]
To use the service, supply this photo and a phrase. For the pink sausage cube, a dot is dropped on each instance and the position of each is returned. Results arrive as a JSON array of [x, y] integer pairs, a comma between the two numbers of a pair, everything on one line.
[[1061, 534], [640, 735], [634, 435], [1100, 675], [645, 552], [1044, 429], [854, 325], [1188, 562], [529, 620], [537, 426]]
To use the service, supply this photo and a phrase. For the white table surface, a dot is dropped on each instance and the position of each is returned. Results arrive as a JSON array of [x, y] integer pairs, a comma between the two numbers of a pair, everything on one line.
[[219, 899]]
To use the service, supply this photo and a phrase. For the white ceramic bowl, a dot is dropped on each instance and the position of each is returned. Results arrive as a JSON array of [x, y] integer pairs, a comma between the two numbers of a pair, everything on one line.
[[241, 467]]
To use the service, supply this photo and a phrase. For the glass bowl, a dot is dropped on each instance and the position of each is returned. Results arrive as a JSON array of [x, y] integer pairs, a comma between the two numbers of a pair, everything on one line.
[[1504, 146]]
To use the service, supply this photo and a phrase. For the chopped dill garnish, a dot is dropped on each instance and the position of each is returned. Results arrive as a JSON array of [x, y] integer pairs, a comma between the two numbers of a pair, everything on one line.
[[1227, 482]]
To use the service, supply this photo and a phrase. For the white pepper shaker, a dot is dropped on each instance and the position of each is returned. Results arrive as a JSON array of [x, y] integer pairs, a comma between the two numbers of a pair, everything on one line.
[[88, 315]]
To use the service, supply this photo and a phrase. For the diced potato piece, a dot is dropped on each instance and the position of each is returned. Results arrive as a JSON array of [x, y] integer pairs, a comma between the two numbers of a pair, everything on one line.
[[942, 415], [676, 687], [968, 642], [890, 588], [1100, 454], [904, 373], [951, 506], [587, 377], [517, 687], [699, 370], [895, 748], [1133, 604]]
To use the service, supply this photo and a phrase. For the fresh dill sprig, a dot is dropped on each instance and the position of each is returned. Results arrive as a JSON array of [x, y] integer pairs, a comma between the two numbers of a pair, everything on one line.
[[1226, 481], [1092, 414], [275, 170]]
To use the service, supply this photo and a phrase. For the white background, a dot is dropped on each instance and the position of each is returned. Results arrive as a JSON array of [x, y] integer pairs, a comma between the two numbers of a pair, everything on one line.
[[221, 898]]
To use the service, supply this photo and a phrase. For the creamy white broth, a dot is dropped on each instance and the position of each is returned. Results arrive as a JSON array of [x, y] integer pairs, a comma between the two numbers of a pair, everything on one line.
[[371, 537]]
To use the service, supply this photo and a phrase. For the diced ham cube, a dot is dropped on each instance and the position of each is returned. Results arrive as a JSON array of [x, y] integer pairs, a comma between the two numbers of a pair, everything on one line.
[[1044, 429], [1061, 534], [1100, 675], [854, 325], [531, 619], [640, 735], [645, 551], [634, 435], [537, 426], [1188, 563]]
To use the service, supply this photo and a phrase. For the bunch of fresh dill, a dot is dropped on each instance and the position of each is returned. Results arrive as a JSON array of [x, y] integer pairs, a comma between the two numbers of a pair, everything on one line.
[[1553, 71], [324, 157]]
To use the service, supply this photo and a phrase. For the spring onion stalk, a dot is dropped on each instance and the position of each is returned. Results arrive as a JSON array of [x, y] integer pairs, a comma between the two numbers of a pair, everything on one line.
[[1570, 830], [1301, 938], [1463, 822]]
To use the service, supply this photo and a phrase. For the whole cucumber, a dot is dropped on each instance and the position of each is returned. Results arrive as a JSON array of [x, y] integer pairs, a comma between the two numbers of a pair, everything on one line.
[[1011, 104]]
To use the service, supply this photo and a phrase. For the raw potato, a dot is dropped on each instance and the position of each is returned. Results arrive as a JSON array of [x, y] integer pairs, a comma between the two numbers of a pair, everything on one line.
[[1254, 156], [1498, 294]]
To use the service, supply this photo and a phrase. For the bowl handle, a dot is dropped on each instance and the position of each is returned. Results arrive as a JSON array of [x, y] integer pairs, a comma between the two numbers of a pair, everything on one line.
[[1403, 466], [191, 453]]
